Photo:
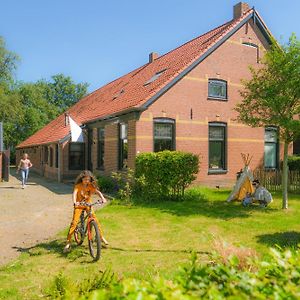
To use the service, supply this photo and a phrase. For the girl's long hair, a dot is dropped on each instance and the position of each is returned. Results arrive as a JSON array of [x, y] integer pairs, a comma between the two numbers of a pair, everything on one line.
[[87, 173]]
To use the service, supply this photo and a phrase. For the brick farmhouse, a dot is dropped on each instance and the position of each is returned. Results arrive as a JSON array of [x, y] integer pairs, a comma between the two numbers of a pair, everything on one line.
[[182, 100]]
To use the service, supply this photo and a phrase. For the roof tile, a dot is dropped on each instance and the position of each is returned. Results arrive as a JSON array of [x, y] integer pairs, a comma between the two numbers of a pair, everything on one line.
[[109, 99]]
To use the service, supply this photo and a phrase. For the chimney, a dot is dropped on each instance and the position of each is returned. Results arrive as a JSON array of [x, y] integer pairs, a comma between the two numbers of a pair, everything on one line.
[[239, 9], [153, 56]]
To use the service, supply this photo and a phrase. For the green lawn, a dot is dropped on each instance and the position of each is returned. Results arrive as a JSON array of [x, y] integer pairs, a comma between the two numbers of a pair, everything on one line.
[[155, 238]]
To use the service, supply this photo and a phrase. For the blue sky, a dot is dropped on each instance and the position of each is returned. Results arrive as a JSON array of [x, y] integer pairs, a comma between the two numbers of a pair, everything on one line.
[[98, 41]]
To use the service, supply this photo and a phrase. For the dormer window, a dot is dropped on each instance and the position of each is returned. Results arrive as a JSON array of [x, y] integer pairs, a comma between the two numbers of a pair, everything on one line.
[[118, 94], [154, 77], [217, 89]]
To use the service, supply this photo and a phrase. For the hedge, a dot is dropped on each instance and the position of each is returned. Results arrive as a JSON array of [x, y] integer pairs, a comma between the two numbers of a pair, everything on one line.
[[167, 173], [294, 163]]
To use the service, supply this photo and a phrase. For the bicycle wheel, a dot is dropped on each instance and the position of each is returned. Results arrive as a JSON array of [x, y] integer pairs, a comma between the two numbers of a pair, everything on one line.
[[79, 231], [94, 240], [78, 235]]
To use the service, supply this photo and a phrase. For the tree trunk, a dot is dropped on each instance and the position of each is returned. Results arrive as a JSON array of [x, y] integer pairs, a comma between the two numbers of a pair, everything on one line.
[[285, 177]]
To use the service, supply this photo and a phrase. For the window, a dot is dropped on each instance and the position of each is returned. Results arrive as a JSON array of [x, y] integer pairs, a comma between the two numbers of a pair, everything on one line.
[[76, 156], [217, 147], [45, 154], [123, 146], [296, 147], [101, 148], [154, 77], [51, 157], [118, 94], [271, 147], [164, 133], [217, 89], [56, 155]]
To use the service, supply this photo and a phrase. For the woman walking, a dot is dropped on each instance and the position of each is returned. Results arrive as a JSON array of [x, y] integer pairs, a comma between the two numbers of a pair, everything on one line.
[[24, 165]]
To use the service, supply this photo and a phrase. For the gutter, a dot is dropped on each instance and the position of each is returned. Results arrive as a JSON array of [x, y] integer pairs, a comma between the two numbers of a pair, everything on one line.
[[115, 116]]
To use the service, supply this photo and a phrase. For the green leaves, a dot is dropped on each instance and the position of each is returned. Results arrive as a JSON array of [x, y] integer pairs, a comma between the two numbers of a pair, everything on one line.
[[166, 174], [276, 277], [272, 96], [27, 107], [8, 63], [63, 92]]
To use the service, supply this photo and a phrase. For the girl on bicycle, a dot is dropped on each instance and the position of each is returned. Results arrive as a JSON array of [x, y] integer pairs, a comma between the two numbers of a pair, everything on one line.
[[85, 187]]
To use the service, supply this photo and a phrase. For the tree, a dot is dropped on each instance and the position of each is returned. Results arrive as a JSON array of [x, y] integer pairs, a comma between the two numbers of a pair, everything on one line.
[[37, 110], [9, 101], [272, 98], [8, 63], [63, 92], [27, 107], [11, 115]]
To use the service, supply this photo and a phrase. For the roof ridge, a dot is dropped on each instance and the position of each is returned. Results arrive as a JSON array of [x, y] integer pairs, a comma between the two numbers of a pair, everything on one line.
[[99, 104], [190, 41]]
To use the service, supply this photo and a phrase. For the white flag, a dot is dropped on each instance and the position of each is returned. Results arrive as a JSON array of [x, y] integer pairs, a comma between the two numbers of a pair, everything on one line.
[[76, 131]]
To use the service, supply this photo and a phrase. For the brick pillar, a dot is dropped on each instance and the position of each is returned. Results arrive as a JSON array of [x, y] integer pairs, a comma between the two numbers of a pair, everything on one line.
[[111, 148], [131, 143]]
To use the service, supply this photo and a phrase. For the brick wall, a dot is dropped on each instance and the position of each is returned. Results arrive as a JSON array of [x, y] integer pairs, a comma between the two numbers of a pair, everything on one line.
[[229, 62], [188, 104], [111, 148]]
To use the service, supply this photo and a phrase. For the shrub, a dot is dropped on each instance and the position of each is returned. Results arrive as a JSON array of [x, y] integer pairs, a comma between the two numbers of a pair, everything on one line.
[[125, 183], [276, 277], [60, 287], [106, 184], [165, 174], [294, 163]]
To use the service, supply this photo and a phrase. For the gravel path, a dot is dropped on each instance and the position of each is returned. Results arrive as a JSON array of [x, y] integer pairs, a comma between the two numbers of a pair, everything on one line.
[[31, 215]]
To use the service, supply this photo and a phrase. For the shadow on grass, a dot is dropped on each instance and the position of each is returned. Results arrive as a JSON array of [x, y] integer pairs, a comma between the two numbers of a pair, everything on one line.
[[159, 250], [282, 239], [82, 252], [56, 247], [211, 204]]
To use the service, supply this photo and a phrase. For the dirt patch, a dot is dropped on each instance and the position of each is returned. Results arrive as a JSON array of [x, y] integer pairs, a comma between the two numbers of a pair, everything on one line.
[[31, 215]]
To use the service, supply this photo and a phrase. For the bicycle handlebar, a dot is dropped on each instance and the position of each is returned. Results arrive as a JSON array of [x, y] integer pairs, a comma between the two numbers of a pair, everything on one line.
[[83, 203]]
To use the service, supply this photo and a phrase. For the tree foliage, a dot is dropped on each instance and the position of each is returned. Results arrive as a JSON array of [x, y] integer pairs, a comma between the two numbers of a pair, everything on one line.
[[63, 92], [8, 63], [272, 96], [27, 107]]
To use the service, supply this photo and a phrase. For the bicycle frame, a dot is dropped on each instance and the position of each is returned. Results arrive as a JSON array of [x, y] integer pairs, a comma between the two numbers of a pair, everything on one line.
[[88, 218], [89, 226]]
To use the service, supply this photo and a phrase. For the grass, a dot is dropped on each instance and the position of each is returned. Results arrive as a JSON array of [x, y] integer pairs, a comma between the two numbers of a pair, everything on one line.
[[154, 238]]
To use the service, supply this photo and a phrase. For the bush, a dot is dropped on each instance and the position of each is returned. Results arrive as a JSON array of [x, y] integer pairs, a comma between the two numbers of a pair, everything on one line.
[[277, 277], [125, 184], [294, 163], [165, 174], [106, 184]]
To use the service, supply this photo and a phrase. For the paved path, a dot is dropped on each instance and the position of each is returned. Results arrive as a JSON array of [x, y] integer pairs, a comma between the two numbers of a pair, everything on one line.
[[32, 215]]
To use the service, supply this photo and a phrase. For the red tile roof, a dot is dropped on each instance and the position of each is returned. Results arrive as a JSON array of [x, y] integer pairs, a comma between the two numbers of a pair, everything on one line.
[[130, 91]]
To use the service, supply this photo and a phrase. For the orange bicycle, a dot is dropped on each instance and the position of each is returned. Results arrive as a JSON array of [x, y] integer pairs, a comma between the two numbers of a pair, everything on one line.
[[88, 226]]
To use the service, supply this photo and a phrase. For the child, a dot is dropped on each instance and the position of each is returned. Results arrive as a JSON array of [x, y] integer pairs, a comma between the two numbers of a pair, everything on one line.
[[85, 186], [261, 194], [247, 200], [24, 166]]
